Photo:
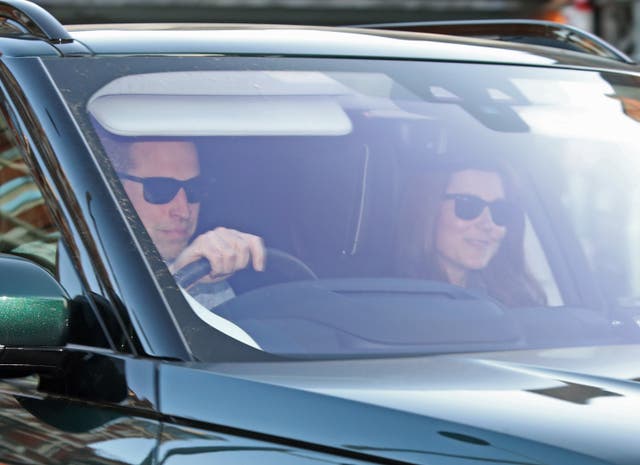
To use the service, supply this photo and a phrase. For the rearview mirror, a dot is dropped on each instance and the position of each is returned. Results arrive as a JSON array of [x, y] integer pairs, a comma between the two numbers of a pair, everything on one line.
[[34, 310]]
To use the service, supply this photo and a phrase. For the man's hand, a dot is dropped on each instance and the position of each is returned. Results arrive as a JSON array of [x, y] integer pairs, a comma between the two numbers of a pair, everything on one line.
[[227, 250]]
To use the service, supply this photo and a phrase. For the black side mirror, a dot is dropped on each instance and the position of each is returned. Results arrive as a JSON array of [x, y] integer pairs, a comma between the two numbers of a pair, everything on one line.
[[34, 309]]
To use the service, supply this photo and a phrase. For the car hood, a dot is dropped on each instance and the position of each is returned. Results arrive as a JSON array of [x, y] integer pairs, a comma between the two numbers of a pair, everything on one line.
[[508, 407]]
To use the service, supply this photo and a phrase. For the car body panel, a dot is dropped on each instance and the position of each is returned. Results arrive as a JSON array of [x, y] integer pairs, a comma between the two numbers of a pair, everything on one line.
[[83, 415], [190, 445], [369, 418], [343, 42], [554, 397], [17, 48]]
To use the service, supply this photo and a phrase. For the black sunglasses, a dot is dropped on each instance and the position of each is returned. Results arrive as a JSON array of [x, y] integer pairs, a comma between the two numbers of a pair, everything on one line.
[[159, 190], [469, 207]]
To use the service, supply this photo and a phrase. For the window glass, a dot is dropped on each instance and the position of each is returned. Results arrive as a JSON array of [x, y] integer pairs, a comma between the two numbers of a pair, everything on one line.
[[602, 198], [27, 230], [351, 207], [26, 227]]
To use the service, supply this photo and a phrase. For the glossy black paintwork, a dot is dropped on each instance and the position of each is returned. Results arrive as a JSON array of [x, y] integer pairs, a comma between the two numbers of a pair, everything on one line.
[[17, 48], [333, 421], [82, 414], [182, 445], [35, 20], [583, 400], [534, 32], [326, 42]]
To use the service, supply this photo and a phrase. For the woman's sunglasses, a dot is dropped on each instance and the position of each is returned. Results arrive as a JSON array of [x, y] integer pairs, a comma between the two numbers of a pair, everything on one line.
[[160, 190], [469, 207]]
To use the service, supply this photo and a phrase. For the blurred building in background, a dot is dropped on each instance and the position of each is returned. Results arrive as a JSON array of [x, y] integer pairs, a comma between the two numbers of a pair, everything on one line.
[[617, 21], [328, 12]]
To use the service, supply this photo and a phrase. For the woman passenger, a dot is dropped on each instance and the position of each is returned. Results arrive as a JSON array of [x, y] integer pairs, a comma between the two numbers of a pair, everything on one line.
[[462, 224]]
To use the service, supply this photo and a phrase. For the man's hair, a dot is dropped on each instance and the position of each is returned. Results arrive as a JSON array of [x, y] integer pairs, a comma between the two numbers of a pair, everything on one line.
[[118, 148]]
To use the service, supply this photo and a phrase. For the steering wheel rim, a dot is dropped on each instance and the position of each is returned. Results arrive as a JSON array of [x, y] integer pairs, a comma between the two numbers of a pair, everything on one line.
[[285, 259], [281, 266]]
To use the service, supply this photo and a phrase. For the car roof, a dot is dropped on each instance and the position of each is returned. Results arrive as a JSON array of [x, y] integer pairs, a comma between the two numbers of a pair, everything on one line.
[[295, 40]]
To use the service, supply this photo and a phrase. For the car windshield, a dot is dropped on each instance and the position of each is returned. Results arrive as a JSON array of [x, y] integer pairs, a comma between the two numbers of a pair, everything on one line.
[[405, 207]]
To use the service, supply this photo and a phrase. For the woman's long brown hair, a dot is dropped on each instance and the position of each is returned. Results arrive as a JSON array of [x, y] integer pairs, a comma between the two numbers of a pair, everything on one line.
[[506, 277]]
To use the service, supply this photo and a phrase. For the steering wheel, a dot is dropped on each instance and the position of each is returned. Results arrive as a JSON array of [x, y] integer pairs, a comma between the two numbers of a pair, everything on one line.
[[280, 267]]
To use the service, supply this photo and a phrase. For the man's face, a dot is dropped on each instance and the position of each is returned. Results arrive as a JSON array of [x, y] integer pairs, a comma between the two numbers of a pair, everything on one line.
[[170, 225]]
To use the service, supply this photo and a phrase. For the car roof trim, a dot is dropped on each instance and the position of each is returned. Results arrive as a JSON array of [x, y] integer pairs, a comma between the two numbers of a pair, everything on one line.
[[33, 20], [295, 41], [528, 31]]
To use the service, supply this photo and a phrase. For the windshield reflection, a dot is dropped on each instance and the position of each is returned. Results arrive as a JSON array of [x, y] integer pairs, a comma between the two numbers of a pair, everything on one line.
[[344, 207]]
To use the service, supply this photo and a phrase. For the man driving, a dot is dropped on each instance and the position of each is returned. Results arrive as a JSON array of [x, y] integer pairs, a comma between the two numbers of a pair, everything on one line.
[[162, 180]]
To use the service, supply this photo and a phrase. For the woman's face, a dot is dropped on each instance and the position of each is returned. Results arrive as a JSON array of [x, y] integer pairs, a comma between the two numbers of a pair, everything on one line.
[[463, 245]]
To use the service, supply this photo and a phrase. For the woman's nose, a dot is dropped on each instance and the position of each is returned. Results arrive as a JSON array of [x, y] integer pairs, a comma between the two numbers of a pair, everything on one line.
[[485, 220]]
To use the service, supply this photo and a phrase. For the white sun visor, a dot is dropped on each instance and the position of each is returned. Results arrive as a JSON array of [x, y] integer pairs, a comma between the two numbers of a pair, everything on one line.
[[222, 103]]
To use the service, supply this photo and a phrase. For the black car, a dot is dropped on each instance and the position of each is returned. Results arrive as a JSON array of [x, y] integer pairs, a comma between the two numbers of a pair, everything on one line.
[[292, 245]]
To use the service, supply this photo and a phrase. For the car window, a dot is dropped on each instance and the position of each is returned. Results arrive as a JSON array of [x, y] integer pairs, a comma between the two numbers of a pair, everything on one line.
[[603, 197], [539, 266], [27, 229], [404, 208], [26, 226]]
